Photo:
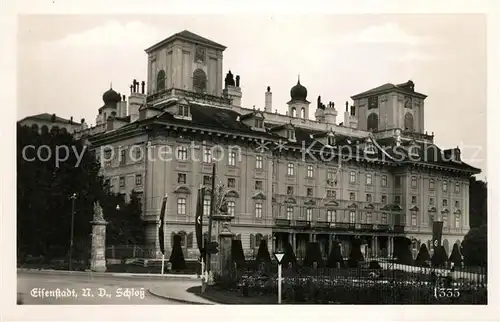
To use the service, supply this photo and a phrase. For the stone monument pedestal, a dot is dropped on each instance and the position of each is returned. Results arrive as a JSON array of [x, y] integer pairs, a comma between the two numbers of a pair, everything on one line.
[[225, 236], [98, 250]]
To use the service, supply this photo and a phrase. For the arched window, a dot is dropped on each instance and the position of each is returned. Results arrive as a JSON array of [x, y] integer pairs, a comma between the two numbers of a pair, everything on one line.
[[45, 129], [199, 81], [303, 113], [409, 122], [34, 127], [294, 112], [372, 122], [160, 80]]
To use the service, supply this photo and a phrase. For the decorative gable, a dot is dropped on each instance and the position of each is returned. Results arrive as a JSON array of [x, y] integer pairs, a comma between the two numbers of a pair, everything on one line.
[[285, 130], [369, 206], [432, 209], [414, 208], [445, 210], [457, 212], [182, 189], [290, 200], [310, 202], [232, 194], [260, 196], [332, 203], [254, 119], [353, 205]]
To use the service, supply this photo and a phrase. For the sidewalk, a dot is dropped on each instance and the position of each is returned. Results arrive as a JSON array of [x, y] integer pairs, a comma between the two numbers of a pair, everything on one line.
[[104, 274], [178, 292]]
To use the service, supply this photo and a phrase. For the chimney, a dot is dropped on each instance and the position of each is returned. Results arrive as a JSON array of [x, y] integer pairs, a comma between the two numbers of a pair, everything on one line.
[[123, 98], [233, 92], [330, 114], [135, 83], [71, 120], [346, 106], [143, 86], [131, 89], [237, 80], [268, 106]]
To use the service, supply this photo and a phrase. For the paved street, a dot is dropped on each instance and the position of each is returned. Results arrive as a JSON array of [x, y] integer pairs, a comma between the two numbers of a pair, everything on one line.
[[43, 288]]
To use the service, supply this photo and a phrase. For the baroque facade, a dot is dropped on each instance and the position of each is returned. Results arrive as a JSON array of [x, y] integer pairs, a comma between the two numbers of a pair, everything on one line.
[[376, 176]]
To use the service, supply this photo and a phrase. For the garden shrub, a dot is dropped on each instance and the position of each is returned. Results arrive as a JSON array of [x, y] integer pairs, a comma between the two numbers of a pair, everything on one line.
[[262, 254], [335, 257], [423, 256], [355, 256], [313, 255], [439, 258], [474, 247], [404, 255], [289, 257], [237, 255], [455, 256], [177, 257]]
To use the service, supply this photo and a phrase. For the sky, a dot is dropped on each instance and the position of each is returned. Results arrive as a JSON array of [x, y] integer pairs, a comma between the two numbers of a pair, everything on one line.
[[66, 62]]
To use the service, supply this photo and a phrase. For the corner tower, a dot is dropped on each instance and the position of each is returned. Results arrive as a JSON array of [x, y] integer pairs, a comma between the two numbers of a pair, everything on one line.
[[391, 106], [185, 61]]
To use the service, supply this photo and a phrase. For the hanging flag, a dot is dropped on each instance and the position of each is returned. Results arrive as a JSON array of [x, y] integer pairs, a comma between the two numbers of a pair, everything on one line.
[[161, 234], [198, 222], [437, 232]]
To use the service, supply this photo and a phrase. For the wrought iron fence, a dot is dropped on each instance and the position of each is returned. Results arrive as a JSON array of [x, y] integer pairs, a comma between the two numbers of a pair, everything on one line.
[[371, 282]]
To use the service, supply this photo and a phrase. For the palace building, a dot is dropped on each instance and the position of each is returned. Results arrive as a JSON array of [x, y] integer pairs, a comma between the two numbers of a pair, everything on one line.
[[376, 176]]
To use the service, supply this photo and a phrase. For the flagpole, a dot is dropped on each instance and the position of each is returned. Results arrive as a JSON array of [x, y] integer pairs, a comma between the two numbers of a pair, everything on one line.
[[162, 264], [212, 205]]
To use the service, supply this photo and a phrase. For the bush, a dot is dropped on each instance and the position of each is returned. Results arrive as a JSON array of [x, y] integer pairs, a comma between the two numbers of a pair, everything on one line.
[[177, 257], [313, 255], [439, 258], [474, 247], [355, 256], [237, 255], [403, 255], [263, 253], [423, 256], [455, 256], [289, 257], [335, 257]]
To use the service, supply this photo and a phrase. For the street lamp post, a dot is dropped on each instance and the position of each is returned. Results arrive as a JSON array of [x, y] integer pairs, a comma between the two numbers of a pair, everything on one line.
[[73, 198]]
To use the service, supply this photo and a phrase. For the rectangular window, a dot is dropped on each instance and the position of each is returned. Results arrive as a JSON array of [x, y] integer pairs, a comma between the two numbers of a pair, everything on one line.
[[431, 184], [457, 187], [258, 185], [445, 203], [123, 157], [397, 200], [368, 179], [352, 177], [352, 196], [331, 194], [414, 200], [330, 174], [289, 213], [368, 217], [181, 206], [414, 219], [122, 182], [138, 180], [206, 207], [457, 221], [330, 215], [258, 162], [207, 181], [431, 201], [258, 210], [182, 153], [457, 204], [289, 190], [309, 214], [384, 181], [231, 207], [352, 217], [258, 123], [310, 171], [445, 186], [181, 178], [232, 158], [183, 110], [231, 182], [309, 192], [383, 218], [207, 155], [368, 197], [290, 169], [445, 220], [384, 200], [290, 134], [413, 182]]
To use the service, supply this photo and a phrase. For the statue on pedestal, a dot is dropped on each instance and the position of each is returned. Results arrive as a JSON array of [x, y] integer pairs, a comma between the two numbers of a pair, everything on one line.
[[98, 216]]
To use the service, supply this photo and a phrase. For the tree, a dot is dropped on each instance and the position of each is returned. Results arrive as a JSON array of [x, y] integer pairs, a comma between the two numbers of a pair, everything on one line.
[[43, 191], [423, 256], [313, 255], [475, 247], [125, 226], [263, 253], [335, 256], [355, 256], [439, 258], [289, 256], [455, 256], [177, 257], [404, 255], [478, 203], [237, 255]]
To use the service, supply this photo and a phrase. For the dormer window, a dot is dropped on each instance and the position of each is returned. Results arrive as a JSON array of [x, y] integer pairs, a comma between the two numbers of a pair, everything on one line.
[[183, 111], [290, 134], [369, 148], [259, 123], [331, 140]]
